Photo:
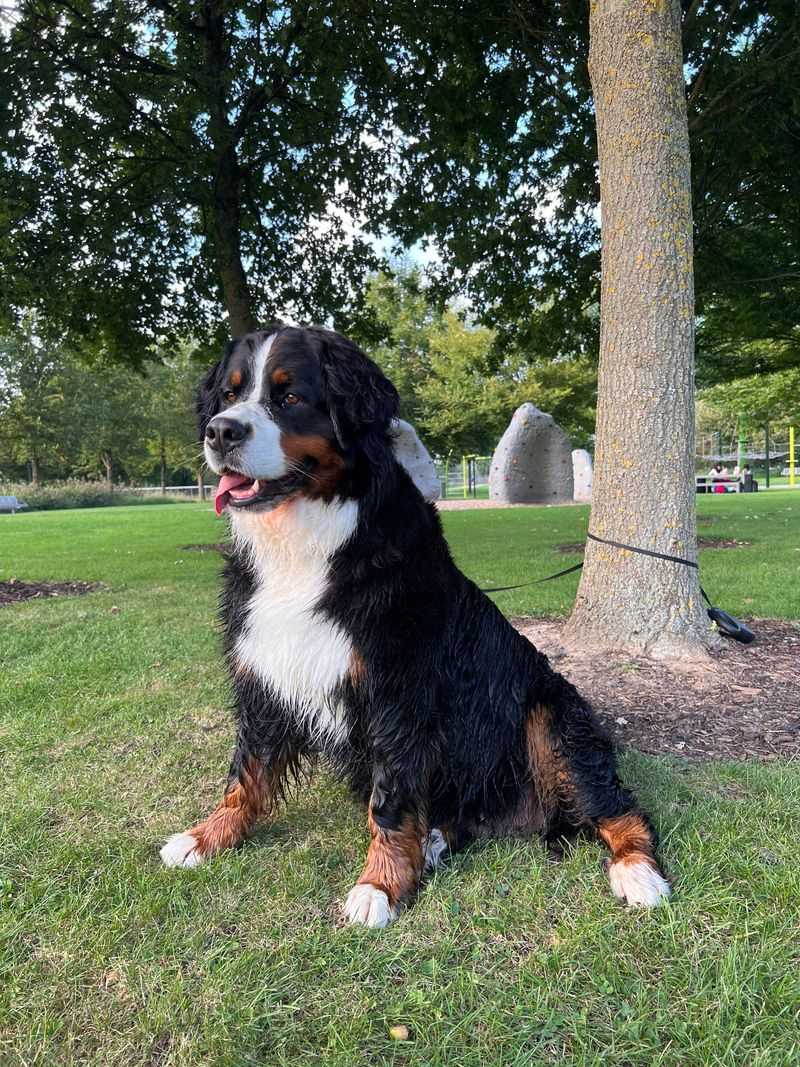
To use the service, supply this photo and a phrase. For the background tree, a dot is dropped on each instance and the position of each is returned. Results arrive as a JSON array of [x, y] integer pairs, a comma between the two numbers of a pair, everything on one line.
[[109, 422], [172, 439], [504, 180], [756, 400], [163, 160], [178, 158], [646, 377], [32, 408], [456, 385]]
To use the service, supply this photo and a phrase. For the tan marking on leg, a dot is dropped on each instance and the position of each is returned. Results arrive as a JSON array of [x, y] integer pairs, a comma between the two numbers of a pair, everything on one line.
[[245, 800], [553, 790], [627, 836], [633, 871], [394, 860]]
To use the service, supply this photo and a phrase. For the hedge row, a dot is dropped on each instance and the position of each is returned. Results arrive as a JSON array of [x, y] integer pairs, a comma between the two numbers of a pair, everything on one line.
[[75, 493]]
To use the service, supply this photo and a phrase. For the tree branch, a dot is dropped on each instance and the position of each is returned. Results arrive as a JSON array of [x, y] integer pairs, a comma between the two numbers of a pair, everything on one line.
[[702, 74], [94, 33]]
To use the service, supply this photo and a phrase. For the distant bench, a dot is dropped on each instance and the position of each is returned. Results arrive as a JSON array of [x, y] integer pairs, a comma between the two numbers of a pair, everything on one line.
[[11, 504]]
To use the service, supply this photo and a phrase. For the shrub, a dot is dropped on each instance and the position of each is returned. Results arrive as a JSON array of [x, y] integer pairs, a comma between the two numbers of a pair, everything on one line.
[[76, 493]]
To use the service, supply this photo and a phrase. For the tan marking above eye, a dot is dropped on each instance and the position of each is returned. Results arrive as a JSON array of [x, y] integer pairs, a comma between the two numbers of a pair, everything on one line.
[[280, 376], [236, 379]]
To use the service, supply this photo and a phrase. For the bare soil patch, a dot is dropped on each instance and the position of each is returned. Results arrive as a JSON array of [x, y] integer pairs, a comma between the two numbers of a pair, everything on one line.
[[746, 706], [15, 590]]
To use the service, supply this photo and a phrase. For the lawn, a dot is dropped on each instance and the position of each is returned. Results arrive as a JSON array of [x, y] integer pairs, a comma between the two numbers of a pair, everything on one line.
[[114, 733]]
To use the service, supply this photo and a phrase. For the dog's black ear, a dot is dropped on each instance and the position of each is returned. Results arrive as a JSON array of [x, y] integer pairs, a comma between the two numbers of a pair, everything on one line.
[[360, 398], [207, 400]]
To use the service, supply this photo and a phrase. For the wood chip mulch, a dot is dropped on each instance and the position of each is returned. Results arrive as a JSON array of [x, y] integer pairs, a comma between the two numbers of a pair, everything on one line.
[[15, 590], [745, 705]]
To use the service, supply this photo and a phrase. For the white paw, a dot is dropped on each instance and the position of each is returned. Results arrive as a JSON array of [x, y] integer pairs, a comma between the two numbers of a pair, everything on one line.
[[369, 906], [435, 851], [638, 884], [181, 851]]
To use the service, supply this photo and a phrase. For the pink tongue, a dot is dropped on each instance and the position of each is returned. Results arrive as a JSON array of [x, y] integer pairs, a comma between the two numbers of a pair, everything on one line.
[[226, 483]]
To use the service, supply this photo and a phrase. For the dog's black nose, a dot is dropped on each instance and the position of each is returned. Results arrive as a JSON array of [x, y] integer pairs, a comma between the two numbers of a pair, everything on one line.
[[223, 434]]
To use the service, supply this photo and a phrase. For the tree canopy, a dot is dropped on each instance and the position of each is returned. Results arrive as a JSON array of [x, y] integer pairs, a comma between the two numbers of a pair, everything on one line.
[[161, 161], [164, 160]]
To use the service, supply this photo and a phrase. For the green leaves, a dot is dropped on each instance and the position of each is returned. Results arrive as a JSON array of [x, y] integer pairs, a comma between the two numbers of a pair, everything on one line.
[[456, 384]]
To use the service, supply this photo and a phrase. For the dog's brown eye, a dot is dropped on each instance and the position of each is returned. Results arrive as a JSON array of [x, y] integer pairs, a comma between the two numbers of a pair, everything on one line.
[[291, 398], [229, 395]]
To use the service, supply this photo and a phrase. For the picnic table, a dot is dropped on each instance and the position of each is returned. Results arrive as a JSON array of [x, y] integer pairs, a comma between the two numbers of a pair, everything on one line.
[[705, 483]]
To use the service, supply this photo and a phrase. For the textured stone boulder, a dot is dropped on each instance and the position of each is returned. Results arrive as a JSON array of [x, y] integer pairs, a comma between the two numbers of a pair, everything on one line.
[[532, 464], [582, 475], [414, 456]]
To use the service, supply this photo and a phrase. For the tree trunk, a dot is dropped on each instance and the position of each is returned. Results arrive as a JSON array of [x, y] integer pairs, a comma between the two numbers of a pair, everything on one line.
[[226, 193], [201, 483], [35, 472], [163, 465], [108, 464], [643, 492]]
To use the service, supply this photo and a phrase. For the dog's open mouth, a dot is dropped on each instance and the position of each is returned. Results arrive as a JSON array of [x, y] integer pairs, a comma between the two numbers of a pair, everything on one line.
[[241, 491]]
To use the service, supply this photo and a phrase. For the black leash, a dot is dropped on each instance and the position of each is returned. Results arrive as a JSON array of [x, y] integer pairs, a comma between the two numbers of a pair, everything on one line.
[[727, 624]]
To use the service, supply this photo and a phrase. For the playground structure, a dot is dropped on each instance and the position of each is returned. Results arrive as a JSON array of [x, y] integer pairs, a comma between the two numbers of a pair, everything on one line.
[[465, 476]]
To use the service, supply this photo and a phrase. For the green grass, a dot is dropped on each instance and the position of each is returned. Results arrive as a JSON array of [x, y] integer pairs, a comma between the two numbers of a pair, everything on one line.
[[114, 733]]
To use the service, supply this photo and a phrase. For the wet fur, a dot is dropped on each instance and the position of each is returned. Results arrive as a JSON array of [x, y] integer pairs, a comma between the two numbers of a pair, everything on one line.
[[451, 719]]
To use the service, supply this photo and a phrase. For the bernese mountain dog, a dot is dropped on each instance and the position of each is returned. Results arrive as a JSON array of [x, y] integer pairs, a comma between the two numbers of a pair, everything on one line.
[[349, 633]]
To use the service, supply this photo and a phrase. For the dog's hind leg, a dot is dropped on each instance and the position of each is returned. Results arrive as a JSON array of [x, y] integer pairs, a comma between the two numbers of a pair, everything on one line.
[[574, 774], [633, 870], [440, 843]]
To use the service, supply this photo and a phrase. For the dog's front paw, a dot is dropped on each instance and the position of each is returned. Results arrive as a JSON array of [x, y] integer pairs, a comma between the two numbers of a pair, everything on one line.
[[369, 906], [181, 850]]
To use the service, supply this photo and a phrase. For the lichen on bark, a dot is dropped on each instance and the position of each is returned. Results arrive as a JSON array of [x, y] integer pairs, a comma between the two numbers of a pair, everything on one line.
[[643, 491]]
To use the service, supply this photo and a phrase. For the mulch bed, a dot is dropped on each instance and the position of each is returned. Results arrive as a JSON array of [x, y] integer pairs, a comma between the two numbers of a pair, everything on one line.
[[745, 706], [15, 590]]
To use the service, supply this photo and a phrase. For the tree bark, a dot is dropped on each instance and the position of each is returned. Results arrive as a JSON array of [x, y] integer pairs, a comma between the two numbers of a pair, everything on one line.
[[226, 192], [108, 464], [644, 492], [35, 472], [163, 465], [201, 484]]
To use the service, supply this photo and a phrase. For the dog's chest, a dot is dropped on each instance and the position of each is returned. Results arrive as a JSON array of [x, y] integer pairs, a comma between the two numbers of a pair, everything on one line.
[[297, 652]]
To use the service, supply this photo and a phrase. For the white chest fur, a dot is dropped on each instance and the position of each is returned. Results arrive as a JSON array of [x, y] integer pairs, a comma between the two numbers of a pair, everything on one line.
[[301, 656]]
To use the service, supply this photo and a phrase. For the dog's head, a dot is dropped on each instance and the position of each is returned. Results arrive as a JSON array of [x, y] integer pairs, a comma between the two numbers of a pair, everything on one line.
[[287, 411]]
